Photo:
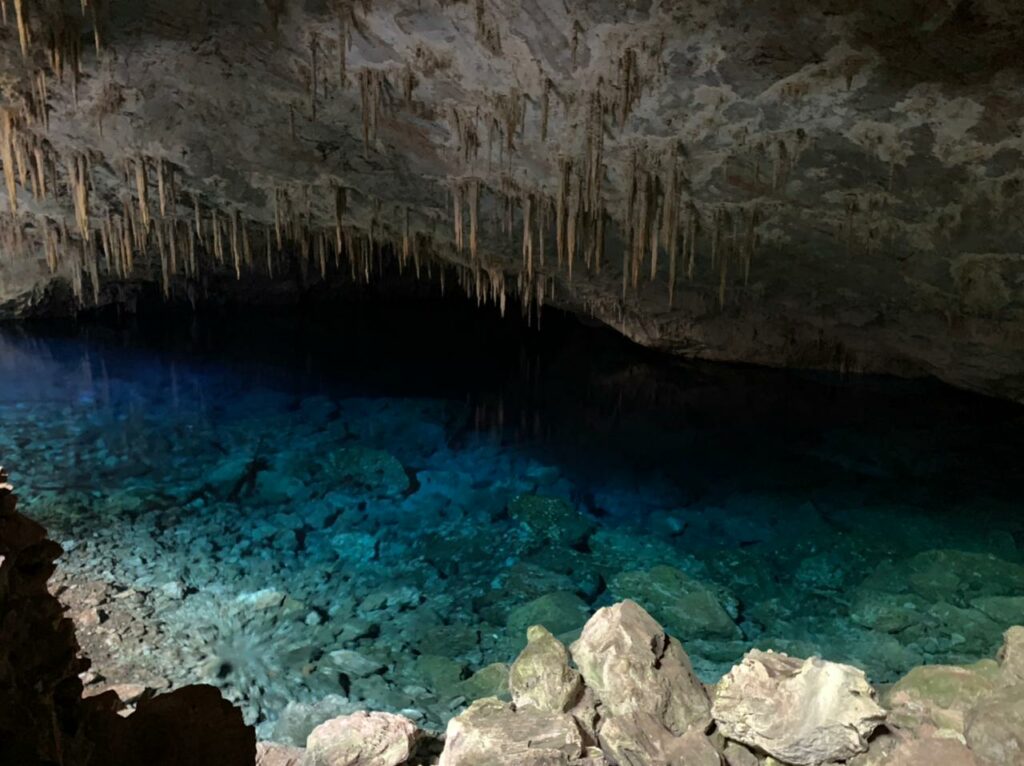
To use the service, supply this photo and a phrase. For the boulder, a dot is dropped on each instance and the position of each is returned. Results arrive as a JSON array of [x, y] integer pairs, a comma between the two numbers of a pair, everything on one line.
[[489, 681], [686, 607], [1011, 654], [802, 712], [994, 728], [490, 732], [641, 739], [362, 739], [632, 666], [298, 719], [541, 677], [940, 695], [559, 612], [367, 470], [550, 518]]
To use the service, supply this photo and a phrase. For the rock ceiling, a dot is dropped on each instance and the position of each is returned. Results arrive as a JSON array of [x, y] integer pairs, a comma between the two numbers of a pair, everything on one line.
[[834, 184]]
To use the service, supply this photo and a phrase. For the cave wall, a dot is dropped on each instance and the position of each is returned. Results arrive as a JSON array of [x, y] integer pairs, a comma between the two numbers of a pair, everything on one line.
[[830, 184]]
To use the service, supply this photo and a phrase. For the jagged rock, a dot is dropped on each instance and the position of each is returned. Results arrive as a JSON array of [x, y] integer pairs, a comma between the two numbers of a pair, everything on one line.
[[799, 711], [1011, 654], [632, 666], [736, 754], [684, 606], [559, 612], [362, 739], [994, 728], [940, 695], [641, 739], [541, 677], [550, 518], [276, 754], [368, 470], [1008, 610], [490, 732]]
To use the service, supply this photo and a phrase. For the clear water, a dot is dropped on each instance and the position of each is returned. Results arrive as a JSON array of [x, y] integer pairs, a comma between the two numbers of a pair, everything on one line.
[[216, 466]]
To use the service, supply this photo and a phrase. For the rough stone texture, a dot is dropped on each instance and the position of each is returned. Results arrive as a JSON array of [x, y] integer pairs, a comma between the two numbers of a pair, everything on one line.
[[276, 754], [362, 739], [799, 711], [848, 204], [491, 732], [994, 728], [541, 677], [941, 695], [1011, 654], [633, 667], [640, 739]]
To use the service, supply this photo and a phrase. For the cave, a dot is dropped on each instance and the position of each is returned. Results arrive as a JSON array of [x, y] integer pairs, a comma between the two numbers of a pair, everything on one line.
[[477, 383]]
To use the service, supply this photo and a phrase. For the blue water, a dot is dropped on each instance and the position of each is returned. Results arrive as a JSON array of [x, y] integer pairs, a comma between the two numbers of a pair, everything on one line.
[[310, 508]]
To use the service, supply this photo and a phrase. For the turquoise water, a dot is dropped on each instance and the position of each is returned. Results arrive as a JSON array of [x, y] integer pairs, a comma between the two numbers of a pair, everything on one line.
[[370, 508]]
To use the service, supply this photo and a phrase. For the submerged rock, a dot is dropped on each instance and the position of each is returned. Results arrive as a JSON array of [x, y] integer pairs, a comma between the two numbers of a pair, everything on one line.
[[1011, 654], [362, 739], [491, 732], [489, 681], [684, 606], [559, 612], [368, 470], [802, 712], [551, 518], [541, 677], [632, 666]]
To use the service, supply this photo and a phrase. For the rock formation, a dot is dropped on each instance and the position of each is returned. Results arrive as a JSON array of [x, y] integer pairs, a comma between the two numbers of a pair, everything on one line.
[[832, 185]]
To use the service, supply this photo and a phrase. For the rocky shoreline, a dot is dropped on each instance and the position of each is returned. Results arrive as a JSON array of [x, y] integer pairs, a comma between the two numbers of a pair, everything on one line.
[[623, 694]]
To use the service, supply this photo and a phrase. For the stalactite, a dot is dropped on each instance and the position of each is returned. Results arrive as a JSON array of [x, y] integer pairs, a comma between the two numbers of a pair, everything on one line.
[[342, 45], [565, 168], [165, 279], [457, 213], [236, 255], [141, 188], [161, 187], [80, 188], [692, 226], [528, 235], [474, 206], [19, 11], [339, 213], [7, 139]]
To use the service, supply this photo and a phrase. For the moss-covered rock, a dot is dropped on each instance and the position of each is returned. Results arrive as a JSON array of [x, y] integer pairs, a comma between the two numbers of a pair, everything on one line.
[[367, 470], [559, 612], [940, 695], [541, 677], [686, 607]]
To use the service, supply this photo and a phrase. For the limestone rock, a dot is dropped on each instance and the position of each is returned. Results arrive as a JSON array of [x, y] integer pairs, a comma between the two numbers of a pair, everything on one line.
[[632, 666], [641, 739], [799, 711], [1011, 654], [550, 518], [940, 695], [994, 728], [541, 677], [362, 739], [927, 750], [276, 754], [684, 606], [490, 732]]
